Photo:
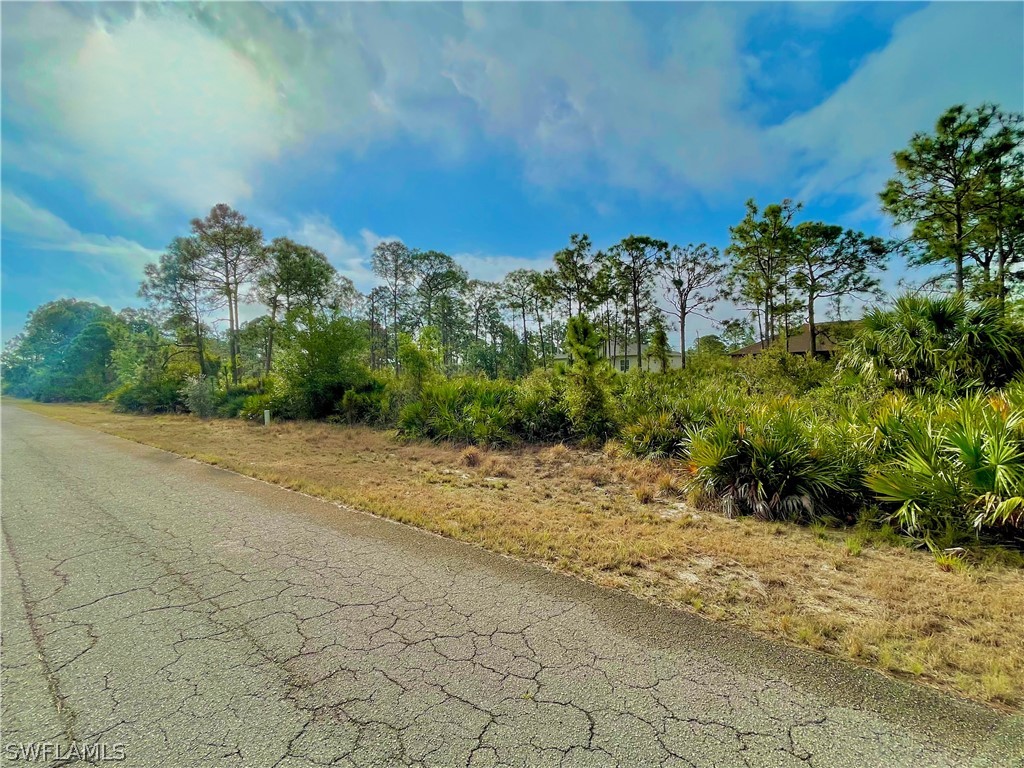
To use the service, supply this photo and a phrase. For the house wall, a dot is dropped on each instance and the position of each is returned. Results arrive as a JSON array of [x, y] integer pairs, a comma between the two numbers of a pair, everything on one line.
[[674, 361]]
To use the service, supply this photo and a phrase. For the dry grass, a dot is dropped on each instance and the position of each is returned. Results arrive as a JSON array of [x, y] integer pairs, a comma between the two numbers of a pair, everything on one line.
[[618, 523], [471, 456]]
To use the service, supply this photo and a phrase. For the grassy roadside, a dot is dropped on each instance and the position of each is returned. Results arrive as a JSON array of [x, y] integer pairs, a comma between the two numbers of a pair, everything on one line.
[[622, 524]]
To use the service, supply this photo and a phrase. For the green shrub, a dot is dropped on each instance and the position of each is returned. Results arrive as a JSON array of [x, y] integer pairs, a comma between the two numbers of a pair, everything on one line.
[[157, 394], [254, 405], [230, 402], [956, 470], [365, 404], [769, 465], [588, 406], [273, 397], [320, 358], [462, 409], [200, 396], [777, 372], [540, 414], [654, 436], [944, 345], [413, 420]]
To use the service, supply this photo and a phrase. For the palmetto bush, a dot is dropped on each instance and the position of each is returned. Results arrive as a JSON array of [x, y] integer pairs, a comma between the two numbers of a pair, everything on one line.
[[664, 433], [959, 469], [943, 345], [657, 435], [771, 463], [540, 411], [462, 409]]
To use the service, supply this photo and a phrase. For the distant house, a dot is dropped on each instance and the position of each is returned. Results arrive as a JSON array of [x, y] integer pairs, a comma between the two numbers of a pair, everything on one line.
[[830, 335], [624, 359]]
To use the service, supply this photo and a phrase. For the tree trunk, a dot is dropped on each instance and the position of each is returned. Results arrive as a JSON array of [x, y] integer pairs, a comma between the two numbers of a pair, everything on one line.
[[959, 250], [636, 325], [540, 334], [200, 348], [233, 333], [394, 323], [526, 342], [270, 345], [682, 339], [812, 328], [1001, 278]]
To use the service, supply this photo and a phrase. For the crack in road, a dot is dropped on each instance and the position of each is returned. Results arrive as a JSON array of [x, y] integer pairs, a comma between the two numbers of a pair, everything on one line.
[[203, 619]]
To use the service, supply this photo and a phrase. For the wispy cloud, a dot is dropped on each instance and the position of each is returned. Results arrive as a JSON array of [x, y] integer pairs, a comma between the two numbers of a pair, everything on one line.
[[176, 106], [145, 111], [37, 228], [944, 54]]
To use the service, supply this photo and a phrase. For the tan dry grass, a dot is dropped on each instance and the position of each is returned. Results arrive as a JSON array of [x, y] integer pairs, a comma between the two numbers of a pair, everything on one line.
[[618, 523]]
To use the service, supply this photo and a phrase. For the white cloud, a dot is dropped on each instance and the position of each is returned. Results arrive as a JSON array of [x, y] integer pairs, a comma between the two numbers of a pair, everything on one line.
[[183, 106], [39, 229], [146, 110], [579, 92], [351, 257], [493, 268], [944, 54], [176, 107]]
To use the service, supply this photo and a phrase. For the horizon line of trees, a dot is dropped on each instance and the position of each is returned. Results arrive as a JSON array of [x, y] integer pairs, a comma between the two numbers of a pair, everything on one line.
[[958, 192]]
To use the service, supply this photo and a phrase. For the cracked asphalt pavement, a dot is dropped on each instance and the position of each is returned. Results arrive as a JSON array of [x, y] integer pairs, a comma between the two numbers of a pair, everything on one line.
[[200, 618]]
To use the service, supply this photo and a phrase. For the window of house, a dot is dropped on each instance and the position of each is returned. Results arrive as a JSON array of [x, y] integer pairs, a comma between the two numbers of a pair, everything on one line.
[[624, 364]]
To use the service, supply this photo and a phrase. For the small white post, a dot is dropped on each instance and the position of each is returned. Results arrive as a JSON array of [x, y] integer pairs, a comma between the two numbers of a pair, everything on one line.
[[266, 418]]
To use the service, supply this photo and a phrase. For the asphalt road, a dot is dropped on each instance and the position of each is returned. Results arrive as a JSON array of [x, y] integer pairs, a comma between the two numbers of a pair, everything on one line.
[[192, 617]]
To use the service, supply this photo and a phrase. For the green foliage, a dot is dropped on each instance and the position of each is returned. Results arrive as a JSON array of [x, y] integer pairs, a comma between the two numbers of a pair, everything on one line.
[[659, 349], [321, 357], [770, 463], [366, 403], [961, 188], [957, 470], [64, 353], [540, 407], [654, 436], [710, 345], [154, 392], [583, 342], [465, 409], [232, 400], [200, 396], [420, 360], [588, 406], [943, 345], [776, 372], [586, 400]]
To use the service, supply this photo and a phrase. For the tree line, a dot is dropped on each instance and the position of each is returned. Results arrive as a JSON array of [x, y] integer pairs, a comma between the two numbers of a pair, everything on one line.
[[957, 195]]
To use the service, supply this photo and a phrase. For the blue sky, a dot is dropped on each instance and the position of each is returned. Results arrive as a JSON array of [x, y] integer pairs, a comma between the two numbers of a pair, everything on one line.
[[489, 131]]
